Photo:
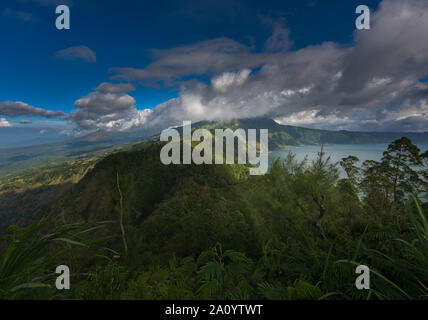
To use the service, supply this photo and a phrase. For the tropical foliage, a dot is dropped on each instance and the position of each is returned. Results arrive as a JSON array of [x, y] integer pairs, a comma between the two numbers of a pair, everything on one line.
[[215, 232]]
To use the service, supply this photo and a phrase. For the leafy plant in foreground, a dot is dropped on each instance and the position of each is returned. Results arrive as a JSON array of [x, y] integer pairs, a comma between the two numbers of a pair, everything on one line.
[[27, 263]]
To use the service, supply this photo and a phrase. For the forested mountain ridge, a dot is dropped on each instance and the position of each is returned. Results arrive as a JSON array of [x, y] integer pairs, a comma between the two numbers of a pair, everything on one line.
[[100, 143], [215, 232], [280, 135]]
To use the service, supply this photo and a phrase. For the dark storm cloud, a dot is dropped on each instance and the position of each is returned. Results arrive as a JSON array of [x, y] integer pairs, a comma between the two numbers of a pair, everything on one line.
[[394, 49], [17, 109], [206, 57]]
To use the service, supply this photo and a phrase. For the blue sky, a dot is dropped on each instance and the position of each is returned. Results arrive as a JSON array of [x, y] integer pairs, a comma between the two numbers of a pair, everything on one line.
[[123, 34]]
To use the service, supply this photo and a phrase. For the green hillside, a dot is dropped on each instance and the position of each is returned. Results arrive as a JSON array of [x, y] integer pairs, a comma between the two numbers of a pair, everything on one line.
[[215, 232], [101, 143]]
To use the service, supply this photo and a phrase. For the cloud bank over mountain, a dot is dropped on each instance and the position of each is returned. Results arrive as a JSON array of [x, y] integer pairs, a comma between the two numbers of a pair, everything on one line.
[[374, 85]]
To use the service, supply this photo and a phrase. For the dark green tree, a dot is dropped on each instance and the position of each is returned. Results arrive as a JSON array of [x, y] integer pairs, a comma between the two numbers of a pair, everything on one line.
[[348, 165], [376, 187], [308, 187], [400, 162]]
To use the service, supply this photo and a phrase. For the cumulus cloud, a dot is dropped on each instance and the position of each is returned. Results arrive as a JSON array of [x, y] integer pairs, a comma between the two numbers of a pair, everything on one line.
[[4, 123], [14, 109], [108, 107], [283, 84], [81, 53], [360, 86], [25, 121]]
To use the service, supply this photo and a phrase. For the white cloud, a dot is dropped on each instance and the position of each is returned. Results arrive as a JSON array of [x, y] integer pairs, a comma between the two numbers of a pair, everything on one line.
[[313, 118], [378, 82], [135, 119], [4, 123], [229, 79]]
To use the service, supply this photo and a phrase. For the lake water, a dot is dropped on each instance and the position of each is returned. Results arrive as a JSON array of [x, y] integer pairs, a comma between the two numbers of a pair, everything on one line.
[[337, 152]]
